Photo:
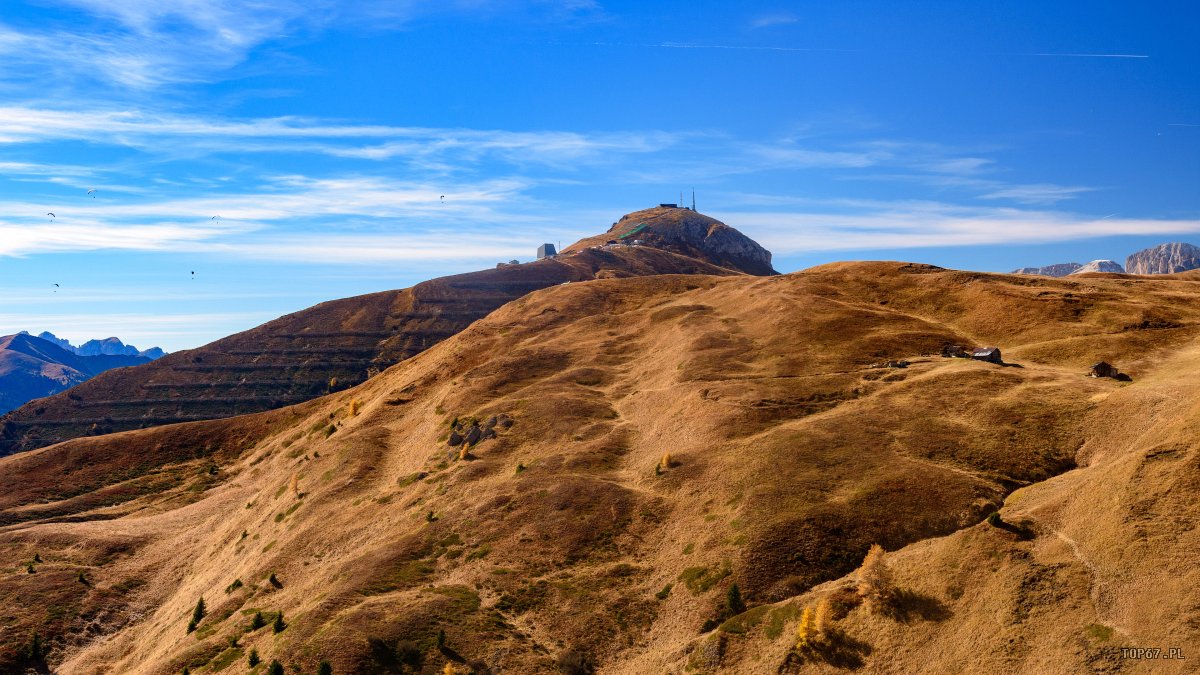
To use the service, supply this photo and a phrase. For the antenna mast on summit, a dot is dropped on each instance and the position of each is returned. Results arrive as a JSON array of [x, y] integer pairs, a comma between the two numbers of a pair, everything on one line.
[[693, 199]]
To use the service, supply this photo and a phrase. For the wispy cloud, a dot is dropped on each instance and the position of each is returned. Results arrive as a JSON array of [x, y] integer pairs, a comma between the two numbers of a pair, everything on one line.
[[339, 220], [146, 44], [847, 225], [430, 147], [773, 19], [1040, 193]]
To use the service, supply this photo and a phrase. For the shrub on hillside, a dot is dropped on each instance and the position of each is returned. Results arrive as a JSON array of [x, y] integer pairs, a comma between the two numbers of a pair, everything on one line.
[[575, 662]]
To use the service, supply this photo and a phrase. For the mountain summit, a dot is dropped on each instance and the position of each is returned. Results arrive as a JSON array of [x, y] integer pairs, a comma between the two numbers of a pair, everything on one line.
[[686, 232], [1164, 259]]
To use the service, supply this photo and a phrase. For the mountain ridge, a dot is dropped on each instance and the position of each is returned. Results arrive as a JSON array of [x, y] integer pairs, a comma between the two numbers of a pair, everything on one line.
[[340, 343], [111, 346], [1169, 258], [32, 368]]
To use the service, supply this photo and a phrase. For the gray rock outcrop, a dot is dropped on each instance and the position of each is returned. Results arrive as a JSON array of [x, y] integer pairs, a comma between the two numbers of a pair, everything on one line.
[[1164, 259], [1058, 270]]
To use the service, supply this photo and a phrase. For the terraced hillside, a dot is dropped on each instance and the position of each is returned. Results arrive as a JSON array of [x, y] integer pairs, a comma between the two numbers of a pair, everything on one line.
[[640, 446], [336, 344]]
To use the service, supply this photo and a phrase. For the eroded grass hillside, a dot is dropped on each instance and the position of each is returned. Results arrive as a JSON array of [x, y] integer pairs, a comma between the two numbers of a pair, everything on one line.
[[636, 448]]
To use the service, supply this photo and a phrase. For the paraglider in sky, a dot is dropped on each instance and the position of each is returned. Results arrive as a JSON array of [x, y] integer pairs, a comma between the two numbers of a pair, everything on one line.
[[51, 216], [92, 192], [443, 198], [57, 286], [216, 218]]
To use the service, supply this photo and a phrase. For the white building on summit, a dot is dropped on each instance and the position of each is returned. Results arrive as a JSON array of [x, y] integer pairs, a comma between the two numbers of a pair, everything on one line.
[[546, 250]]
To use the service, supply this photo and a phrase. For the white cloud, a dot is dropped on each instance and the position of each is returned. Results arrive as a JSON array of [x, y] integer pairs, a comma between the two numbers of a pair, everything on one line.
[[774, 19], [428, 147], [145, 44], [899, 225], [1040, 193], [338, 220]]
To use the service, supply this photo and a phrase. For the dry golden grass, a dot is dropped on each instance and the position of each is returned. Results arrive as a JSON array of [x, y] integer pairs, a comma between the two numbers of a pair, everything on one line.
[[791, 456]]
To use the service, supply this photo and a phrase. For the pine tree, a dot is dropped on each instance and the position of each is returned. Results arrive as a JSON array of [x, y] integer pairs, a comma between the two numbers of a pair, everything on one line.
[[35, 652], [733, 601], [199, 612], [806, 631], [276, 668], [449, 669], [279, 625], [253, 660], [325, 668], [258, 621], [875, 580], [441, 639], [294, 485], [665, 462], [37, 558]]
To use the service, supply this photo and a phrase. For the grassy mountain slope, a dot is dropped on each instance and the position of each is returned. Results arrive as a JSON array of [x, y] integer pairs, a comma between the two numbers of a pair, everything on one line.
[[789, 455]]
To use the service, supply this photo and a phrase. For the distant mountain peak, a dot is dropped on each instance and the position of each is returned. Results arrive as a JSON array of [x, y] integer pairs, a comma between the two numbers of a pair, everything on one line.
[[1056, 270], [111, 346], [1101, 266], [1164, 259]]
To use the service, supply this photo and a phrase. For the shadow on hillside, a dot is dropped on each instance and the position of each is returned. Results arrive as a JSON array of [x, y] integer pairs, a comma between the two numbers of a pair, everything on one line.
[[907, 606], [836, 649], [449, 653], [1023, 531], [1006, 364]]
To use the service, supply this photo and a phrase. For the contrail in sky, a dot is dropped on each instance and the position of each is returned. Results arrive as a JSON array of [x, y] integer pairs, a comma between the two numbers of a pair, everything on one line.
[[686, 45], [1098, 56]]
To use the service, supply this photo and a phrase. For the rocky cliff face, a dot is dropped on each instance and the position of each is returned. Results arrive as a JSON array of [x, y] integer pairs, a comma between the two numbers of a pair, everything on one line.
[[1100, 266], [1058, 270], [1164, 259]]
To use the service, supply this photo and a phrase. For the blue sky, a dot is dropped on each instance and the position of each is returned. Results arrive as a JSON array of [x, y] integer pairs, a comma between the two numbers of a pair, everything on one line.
[[290, 152]]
